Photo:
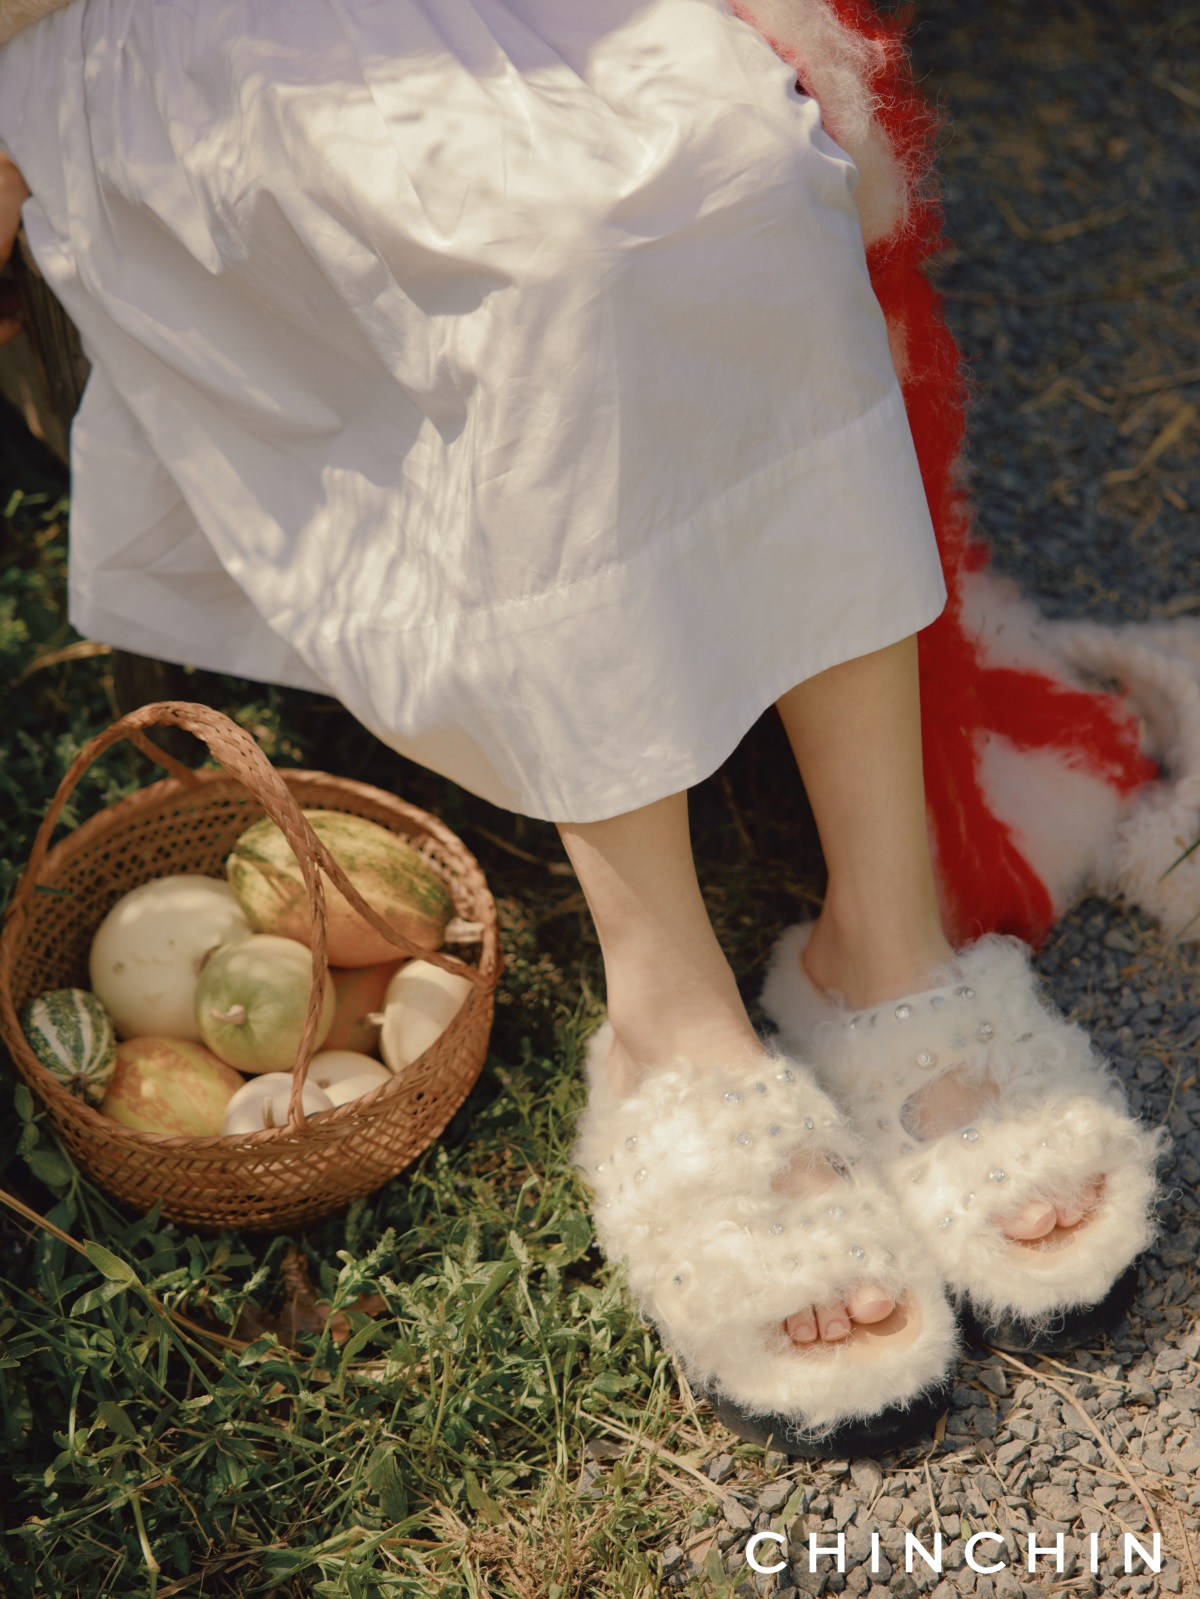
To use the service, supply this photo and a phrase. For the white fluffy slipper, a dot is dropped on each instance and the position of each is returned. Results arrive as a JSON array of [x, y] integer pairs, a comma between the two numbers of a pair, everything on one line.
[[1058, 1123], [683, 1173]]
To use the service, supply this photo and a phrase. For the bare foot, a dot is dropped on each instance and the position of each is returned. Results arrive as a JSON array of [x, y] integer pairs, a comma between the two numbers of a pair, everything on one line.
[[834, 1319], [948, 1102], [866, 972], [825, 1323]]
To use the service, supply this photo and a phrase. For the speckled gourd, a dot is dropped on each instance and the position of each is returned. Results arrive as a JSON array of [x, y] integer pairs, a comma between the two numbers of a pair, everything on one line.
[[394, 878]]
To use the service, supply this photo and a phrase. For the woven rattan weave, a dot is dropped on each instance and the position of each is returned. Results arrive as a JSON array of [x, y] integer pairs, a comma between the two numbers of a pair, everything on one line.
[[310, 1167]]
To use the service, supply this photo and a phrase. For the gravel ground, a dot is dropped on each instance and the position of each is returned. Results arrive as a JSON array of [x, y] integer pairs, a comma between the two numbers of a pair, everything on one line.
[[1073, 193]]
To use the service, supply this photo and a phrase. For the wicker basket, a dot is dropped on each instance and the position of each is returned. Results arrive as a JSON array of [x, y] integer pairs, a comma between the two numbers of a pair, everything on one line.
[[310, 1167]]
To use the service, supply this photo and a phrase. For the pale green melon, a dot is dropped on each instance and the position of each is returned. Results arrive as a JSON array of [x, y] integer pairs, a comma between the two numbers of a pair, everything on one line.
[[251, 1000], [73, 1036]]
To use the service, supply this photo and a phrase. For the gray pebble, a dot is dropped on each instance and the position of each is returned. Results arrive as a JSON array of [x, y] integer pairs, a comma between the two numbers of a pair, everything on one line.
[[672, 1559], [1010, 1452], [1058, 1503], [867, 1477], [776, 1494], [1171, 1359], [995, 1378], [719, 1468], [736, 1515], [810, 1582], [845, 1507]]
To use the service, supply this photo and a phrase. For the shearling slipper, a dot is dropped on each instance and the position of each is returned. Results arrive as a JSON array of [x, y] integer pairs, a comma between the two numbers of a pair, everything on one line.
[[1057, 1125], [684, 1172]]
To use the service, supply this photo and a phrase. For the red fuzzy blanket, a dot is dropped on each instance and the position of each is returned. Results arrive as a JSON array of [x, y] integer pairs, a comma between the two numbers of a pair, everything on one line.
[[986, 883]]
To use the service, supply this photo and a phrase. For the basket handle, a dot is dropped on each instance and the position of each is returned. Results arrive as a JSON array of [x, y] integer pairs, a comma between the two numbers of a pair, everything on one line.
[[234, 749]]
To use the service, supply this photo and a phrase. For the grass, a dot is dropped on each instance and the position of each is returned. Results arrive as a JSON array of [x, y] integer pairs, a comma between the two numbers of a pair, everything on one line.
[[472, 1405]]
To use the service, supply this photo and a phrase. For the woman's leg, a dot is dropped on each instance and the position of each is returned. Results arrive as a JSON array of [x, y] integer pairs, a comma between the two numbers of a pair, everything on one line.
[[670, 988], [856, 734]]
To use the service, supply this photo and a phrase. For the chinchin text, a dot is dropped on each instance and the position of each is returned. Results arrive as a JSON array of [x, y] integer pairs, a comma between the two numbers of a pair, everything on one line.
[[766, 1552]]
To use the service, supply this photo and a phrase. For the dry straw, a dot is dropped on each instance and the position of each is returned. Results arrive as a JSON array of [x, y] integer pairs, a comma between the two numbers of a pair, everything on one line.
[[310, 1167]]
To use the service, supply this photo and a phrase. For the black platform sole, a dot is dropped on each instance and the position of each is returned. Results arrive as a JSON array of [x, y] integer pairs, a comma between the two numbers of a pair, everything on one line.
[[894, 1428], [1070, 1329]]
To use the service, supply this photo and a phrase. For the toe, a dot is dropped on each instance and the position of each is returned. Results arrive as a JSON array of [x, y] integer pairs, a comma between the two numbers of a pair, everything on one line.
[[802, 1328], [1033, 1220], [1071, 1215], [870, 1303], [833, 1322]]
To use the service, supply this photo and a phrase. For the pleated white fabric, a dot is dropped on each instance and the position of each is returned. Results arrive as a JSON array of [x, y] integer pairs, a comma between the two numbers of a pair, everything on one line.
[[507, 369]]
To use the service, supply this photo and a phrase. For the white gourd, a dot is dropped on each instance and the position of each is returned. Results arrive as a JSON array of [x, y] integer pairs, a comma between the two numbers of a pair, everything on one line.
[[147, 953], [344, 1074], [421, 1001], [263, 1102]]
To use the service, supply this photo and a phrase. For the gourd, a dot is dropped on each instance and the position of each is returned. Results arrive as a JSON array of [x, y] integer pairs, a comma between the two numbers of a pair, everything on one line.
[[420, 1002], [394, 878], [359, 994], [251, 1001], [263, 1102], [147, 953], [344, 1074], [73, 1036], [169, 1085]]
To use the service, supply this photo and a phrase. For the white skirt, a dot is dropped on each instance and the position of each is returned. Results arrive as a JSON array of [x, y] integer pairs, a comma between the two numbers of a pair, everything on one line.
[[508, 369]]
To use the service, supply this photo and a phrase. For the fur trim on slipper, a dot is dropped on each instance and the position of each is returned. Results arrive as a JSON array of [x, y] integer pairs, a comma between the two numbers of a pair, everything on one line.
[[684, 1171], [1058, 1123]]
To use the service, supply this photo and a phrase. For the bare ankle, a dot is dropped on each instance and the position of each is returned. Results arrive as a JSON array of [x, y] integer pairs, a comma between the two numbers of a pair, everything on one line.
[[870, 959], [655, 1022], [652, 1038]]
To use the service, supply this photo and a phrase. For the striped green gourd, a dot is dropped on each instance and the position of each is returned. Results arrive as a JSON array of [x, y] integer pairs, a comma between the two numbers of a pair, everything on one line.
[[72, 1035]]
